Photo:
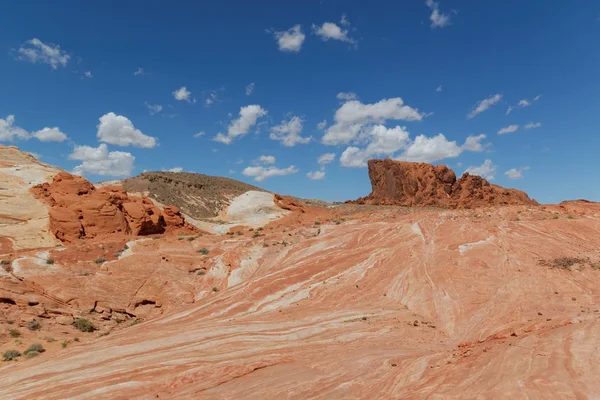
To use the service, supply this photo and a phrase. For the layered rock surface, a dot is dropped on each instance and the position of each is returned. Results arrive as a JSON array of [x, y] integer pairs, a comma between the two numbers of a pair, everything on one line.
[[78, 210], [345, 303], [420, 184], [23, 218]]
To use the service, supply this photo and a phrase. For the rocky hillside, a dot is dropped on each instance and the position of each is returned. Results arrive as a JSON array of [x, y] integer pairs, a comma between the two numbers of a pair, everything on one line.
[[197, 195], [420, 184]]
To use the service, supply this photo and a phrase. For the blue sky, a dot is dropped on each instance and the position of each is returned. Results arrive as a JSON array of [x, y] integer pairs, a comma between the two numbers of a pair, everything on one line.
[[110, 89]]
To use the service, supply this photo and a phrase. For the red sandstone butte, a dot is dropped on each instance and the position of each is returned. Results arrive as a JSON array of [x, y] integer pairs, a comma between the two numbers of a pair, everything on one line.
[[78, 210], [420, 184]]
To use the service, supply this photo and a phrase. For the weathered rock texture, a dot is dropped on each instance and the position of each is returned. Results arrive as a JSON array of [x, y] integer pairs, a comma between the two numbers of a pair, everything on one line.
[[23, 218], [79, 210], [420, 184]]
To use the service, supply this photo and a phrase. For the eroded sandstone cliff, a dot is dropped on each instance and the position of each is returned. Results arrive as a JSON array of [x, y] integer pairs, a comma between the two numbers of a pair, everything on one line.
[[419, 184]]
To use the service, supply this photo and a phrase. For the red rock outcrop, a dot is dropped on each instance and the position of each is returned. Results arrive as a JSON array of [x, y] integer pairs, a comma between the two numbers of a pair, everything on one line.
[[79, 210], [420, 184]]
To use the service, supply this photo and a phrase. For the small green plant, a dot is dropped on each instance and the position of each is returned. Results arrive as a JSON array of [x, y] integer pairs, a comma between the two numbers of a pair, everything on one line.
[[99, 260], [65, 344], [10, 355], [201, 272], [34, 325], [14, 333], [36, 347], [84, 325], [215, 289], [203, 250], [317, 223], [49, 261], [191, 239]]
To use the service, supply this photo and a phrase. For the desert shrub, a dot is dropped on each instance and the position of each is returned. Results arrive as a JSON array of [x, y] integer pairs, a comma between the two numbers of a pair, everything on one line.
[[36, 347], [230, 233], [240, 233], [125, 247], [4, 262], [10, 355], [33, 325], [201, 272], [260, 229], [84, 325], [256, 234], [32, 354], [65, 344], [215, 289], [14, 333], [191, 239], [317, 223], [203, 250], [563, 262], [49, 261], [99, 260], [595, 265], [49, 339]]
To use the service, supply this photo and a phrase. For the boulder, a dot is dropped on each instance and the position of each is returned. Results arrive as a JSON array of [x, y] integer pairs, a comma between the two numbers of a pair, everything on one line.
[[78, 210]]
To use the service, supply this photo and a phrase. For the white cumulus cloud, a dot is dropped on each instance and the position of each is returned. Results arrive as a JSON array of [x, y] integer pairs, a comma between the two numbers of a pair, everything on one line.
[[119, 130], [267, 159], [508, 129], [486, 170], [484, 104], [439, 88], [290, 40], [182, 94], [36, 51], [288, 132], [316, 175], [9, 132], [175, 169], [240, 126], [326, 158], [99, 161], [438, 19], [49, 135], [353, 117], [87, 74], [515, 173], [332, 31], [249, 89], [533, 125], [261, 173], [322, 125]]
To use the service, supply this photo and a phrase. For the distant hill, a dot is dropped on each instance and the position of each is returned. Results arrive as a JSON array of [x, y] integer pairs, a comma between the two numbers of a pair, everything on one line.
[[197, 195]]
